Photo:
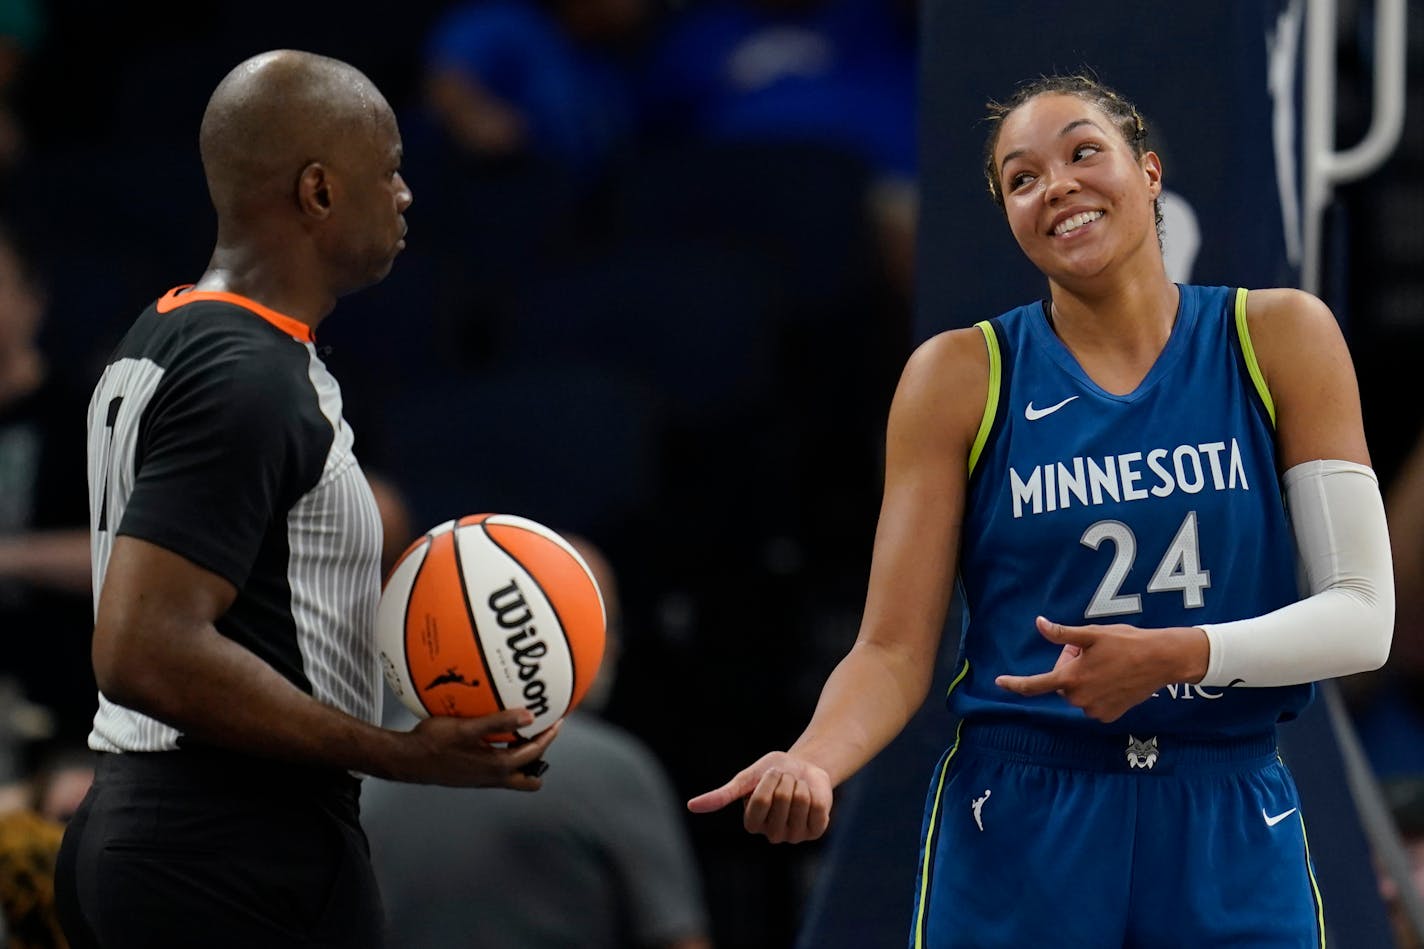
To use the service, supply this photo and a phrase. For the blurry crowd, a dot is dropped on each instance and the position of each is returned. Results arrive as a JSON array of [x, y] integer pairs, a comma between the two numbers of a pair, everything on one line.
[[656, 295]]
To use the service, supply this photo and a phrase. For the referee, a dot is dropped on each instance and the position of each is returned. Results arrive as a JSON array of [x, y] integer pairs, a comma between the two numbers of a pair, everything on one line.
[[235, 550]]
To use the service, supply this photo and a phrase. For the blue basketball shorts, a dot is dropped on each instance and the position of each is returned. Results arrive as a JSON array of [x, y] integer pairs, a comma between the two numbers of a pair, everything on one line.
[[1036, 838]]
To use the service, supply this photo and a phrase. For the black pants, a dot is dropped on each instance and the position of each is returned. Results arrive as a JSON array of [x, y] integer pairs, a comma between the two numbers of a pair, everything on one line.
[[200, 848]]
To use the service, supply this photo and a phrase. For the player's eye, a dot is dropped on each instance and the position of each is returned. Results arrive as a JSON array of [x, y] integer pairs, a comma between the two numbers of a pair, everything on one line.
[[1017, 181], [1084, 150]]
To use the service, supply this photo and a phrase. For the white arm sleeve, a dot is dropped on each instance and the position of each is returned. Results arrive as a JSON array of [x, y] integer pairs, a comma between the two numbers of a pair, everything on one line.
[[1346, 623]]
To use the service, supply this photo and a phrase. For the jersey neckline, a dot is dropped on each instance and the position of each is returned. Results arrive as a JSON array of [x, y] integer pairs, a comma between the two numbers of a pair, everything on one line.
[[1182, 327], [182, 295]]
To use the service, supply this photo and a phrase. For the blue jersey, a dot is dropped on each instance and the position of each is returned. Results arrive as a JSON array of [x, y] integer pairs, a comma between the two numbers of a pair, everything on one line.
[[1157, 508]]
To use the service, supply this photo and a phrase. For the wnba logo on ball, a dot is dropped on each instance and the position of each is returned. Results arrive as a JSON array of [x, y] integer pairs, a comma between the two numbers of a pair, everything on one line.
[[519, 618], [512, 612]]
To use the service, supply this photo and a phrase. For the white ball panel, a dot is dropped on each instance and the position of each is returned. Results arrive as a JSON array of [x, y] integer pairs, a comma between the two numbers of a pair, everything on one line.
[[390, 627], [524, 645]]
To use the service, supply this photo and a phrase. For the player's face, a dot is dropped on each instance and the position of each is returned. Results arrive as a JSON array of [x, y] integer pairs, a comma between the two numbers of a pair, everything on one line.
[[375, 224], [1076, 197]]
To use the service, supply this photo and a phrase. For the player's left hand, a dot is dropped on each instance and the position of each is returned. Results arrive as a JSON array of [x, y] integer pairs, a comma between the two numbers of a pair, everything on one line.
[[1107, 669]]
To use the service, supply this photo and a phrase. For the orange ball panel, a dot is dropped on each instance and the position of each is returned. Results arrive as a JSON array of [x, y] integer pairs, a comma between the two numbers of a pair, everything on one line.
[[442, 654], [571, 593]]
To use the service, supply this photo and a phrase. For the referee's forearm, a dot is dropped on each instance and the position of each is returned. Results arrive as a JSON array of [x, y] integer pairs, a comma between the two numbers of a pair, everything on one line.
[[215, 691]]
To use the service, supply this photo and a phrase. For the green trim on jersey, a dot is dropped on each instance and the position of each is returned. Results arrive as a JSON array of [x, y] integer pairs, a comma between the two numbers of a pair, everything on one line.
[[927, 845], [991, 404], [1314, 886], [1243, 333], [963, 671]]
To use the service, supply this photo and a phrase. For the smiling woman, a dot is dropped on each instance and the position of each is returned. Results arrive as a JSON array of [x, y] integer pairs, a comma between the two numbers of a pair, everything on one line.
[[1108, 473], [1122, 114]]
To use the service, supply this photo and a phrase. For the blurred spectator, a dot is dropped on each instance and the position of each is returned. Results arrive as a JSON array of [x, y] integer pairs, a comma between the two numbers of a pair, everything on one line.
[[1388, 705], [598, 859], [45, 609], [829, 72], [534, 78], [28, 846], [894, 212], [33, 813], [833, 71], [61, 780], [1407, 800], [526, 107], [21, 24], [397, 530], [1404, 505]]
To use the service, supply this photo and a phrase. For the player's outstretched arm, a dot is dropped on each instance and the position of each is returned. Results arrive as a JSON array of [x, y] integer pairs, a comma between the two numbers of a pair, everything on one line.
[[156, 651], [885, 677]]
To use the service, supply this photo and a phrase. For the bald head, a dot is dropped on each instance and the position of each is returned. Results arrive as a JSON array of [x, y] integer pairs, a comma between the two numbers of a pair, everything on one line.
[[273, 115]]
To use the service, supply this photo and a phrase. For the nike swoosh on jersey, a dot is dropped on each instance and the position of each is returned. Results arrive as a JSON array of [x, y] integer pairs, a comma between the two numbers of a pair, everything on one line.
[[1273, 821], [1033, 414]]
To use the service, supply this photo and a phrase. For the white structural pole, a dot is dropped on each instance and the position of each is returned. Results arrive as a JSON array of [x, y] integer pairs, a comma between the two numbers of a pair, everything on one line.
[[1324, 167]]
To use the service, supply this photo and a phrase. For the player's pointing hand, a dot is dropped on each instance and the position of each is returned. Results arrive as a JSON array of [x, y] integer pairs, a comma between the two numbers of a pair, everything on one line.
[[1073, 639], [1106, 670], [788, 800]]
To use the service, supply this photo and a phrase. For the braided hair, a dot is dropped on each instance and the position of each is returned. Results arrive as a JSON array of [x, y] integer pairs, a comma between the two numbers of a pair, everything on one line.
[[1124, 115]]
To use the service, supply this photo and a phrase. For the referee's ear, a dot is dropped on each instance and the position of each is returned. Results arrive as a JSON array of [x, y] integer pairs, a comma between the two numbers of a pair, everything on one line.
[[314, 191]]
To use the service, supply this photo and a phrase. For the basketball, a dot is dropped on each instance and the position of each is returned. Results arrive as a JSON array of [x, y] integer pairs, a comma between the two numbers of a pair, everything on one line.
[[489, 612]]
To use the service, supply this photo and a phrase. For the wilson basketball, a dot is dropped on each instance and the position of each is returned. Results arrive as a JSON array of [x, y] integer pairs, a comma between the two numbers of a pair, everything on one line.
[[489, 612]]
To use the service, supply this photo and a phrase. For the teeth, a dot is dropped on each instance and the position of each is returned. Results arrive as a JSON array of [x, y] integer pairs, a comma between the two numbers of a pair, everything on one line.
[[1075, 222]]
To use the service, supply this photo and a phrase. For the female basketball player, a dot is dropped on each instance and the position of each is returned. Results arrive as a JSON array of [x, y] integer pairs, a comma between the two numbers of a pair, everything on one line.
[[1108, 473]]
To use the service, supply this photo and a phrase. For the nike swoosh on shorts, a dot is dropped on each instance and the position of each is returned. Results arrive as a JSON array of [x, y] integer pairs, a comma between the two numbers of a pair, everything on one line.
[[1273, 821]]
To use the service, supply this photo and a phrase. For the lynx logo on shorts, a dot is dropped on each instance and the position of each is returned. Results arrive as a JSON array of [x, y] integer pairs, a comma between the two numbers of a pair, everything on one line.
[[1141, 754]]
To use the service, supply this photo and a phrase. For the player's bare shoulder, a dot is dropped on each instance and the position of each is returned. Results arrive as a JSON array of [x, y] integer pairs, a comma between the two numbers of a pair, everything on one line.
[[1310, 375], [1291, 329], [945, 385]]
